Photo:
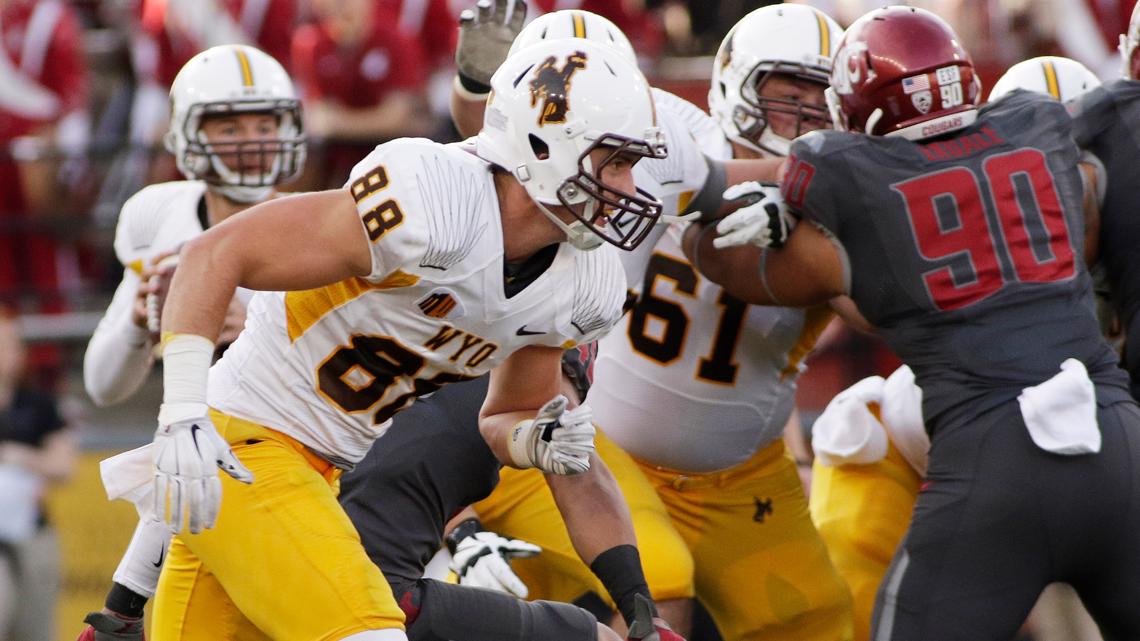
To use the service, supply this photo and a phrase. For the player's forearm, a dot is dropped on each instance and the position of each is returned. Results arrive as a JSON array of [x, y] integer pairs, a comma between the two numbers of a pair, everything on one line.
[[497, 430], [119, 355], [768, 170], [594, 510], [208, 274], [733, 268], [466, 110]]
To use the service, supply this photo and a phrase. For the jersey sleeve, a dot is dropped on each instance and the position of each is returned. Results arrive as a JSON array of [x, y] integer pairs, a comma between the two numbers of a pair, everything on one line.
[[1091, 115], [599, 294], [119, 355], [803, 187], [138, 226], [421, 208], [682, 173]]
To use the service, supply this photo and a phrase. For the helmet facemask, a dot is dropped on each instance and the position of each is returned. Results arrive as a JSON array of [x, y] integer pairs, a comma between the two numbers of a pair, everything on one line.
[[244, 171], [752, 118], [604, 213]]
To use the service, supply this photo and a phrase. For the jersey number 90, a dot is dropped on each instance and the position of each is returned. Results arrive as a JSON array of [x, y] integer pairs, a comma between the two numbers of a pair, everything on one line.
[[947, 212]]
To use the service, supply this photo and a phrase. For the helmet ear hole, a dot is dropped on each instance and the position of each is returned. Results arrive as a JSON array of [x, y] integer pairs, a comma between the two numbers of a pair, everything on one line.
[[538, 147]]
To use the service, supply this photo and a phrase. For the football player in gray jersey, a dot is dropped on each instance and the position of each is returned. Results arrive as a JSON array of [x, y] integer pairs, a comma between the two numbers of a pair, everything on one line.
[[1104, 125], [958, 232]]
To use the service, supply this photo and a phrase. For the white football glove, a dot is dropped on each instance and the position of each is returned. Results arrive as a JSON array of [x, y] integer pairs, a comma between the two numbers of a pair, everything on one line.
[[483, 560], [187, 490], [556, 441], [763, 220], [485, 37]]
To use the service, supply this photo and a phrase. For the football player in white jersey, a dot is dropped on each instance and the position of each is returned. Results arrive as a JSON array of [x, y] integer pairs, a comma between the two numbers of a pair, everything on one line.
[[436, 263], [236, 134], [698, 386], [682, 185]]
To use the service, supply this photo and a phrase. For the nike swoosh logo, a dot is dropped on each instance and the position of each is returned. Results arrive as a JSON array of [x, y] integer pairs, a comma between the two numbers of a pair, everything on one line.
[[161, 556], [523, 331], [194, 435]]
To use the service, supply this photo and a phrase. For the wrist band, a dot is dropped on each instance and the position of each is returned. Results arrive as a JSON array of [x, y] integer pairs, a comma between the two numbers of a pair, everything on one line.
[[466, 528], [518, 444], [470, 88], [185, 366]]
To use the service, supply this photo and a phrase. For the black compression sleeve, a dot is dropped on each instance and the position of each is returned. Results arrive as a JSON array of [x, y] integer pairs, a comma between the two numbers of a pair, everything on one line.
[[122, 600], [619, 569]]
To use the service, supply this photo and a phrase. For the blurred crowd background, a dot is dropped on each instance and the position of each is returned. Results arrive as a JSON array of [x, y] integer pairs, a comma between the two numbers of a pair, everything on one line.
[[83, 108]]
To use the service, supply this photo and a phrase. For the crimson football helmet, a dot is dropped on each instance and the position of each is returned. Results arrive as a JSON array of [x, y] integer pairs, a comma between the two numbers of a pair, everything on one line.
[[902, 71]]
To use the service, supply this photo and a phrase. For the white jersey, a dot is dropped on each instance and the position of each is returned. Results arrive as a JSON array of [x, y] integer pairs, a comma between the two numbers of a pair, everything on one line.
[[157, 219], [330, 366], [693, 379]]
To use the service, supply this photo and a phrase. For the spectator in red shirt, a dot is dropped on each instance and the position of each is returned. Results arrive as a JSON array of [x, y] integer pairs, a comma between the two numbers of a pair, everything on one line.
[[361, 79], [43, 113]]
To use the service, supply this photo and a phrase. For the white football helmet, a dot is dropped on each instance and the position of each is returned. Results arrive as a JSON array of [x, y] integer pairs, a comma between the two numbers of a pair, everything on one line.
[[230, 79], [791, 39], [574, 23], [1062, 78], [550, 105], [1130, 56]]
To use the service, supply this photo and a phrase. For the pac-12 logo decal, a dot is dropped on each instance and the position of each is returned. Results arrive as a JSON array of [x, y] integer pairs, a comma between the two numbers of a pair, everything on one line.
[[552, 86]]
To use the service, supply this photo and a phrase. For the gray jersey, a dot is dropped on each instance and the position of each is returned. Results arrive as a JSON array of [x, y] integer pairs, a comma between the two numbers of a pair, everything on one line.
[[965, 251], [1104, 124]]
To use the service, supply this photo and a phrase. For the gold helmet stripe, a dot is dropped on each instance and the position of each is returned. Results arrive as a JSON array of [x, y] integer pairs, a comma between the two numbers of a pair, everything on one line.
[[246, 68], [579, 24], [824, 35], [1051, 83]]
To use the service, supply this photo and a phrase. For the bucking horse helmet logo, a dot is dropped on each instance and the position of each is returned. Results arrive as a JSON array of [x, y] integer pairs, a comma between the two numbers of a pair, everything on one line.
[[552, 86]]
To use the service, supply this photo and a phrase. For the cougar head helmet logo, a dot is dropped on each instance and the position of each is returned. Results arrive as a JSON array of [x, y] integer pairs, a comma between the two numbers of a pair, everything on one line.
[[552, 86]]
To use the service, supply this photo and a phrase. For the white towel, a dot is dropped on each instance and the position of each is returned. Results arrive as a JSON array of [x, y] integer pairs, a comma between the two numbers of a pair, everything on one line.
[[1061, 412], [847, 432], [130, 476], [901, 409]]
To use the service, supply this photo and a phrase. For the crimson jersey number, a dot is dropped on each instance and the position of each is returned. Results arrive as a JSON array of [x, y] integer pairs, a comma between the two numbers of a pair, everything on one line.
[[717, 366], [356, 376], [948, 215]]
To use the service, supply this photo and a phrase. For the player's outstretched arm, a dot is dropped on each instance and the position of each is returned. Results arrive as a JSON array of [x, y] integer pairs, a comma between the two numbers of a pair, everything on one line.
[[807, 271], [598, 521], [485, 36], [299, 242]]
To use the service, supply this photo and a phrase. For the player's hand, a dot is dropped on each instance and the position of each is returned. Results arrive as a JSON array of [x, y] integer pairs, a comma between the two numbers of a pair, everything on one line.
[[156, 279], [558, 441], [762, 220], [187, 490], [485, 37], [108, 626], [647, 627], [483, 560]]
